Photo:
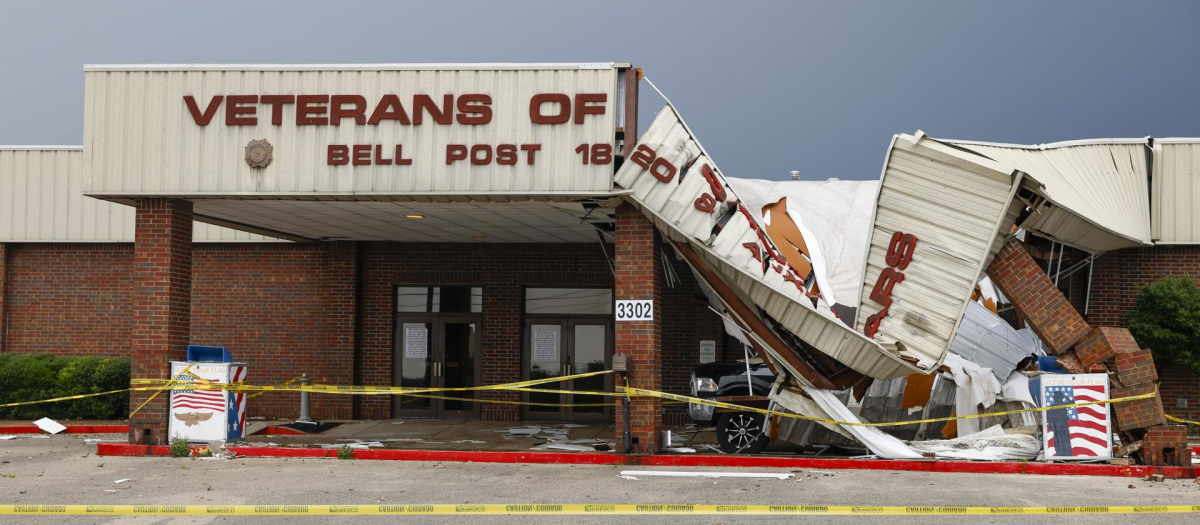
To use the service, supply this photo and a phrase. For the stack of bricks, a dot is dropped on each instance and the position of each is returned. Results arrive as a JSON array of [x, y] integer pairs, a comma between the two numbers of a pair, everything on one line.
[[1167, 445], [1082, 349]]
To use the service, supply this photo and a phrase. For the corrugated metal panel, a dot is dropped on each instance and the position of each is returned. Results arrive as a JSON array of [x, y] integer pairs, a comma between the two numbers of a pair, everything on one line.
[[958, 206], [1098, 190], [41, 200], [988, 341], [672, 207], [140, 138], [1175, 204]]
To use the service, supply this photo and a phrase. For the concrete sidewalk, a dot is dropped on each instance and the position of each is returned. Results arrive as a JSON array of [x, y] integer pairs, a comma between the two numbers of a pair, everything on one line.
[[64, 470]]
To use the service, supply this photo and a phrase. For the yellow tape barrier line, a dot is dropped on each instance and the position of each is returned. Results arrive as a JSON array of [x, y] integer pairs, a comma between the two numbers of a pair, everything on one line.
[[172, 382], [285, 383], [65, 398], [359, 390], [1181, 420], [719, 404], [569, 509]]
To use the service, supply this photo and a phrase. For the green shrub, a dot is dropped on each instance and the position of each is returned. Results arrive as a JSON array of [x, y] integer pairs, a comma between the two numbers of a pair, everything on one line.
[[31, 377], [1166, 321], [345, 452], [180, 448]]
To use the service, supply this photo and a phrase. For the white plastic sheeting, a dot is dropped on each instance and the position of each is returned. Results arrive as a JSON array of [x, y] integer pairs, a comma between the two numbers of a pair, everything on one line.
[[991, 444], [834, 216], [976, 386], [825, 404]]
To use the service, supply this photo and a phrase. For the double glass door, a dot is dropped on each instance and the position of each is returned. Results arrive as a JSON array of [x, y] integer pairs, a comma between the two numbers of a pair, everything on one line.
[[556, 347], [437, 352]]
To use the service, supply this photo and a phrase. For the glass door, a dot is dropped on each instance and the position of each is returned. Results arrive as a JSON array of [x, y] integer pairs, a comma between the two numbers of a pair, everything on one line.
[[590, 350], [459, 365], [414, 364], [545, 355]]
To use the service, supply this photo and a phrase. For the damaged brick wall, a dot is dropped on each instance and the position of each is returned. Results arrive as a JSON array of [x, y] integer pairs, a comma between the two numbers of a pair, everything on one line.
[[640, 277], [1080, 348]]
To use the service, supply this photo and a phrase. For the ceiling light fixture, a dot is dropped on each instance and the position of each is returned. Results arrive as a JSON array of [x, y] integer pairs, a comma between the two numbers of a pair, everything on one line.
[[415, 216]]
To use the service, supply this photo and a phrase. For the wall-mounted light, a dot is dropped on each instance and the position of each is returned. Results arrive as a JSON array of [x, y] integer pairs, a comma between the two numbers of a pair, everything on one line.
[[415, 216]]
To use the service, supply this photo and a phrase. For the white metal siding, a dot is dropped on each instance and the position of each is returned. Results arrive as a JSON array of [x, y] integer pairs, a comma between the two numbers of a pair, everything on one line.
[[1175, 208], [1098, 191], [670, 206], [41, 200], [958, 206], [140, 138]]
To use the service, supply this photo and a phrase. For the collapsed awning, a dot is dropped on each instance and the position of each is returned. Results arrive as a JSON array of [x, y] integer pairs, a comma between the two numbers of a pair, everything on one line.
[[1095, 192]]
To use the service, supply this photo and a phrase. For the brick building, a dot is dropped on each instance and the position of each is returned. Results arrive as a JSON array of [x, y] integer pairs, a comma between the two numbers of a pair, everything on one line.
[[460, 229]]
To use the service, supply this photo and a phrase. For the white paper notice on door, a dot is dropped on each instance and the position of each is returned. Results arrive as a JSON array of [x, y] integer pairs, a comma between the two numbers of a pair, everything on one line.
[[708, 351], [545, 345], [416, 343]]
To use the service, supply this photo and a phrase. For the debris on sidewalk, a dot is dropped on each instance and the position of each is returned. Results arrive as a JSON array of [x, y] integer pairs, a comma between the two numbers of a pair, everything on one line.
[[713, 474], [217, 450], [49, 425]]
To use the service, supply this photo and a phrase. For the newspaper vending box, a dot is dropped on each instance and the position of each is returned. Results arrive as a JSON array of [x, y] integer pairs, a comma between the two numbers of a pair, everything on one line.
[[207, 415]]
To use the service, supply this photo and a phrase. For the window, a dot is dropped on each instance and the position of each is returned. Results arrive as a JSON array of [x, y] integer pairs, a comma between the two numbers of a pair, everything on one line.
[[569, 301], [439, 299]]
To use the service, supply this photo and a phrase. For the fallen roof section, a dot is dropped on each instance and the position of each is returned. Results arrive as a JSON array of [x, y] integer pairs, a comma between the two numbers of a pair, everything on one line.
[[1096, 192], [675, 184]]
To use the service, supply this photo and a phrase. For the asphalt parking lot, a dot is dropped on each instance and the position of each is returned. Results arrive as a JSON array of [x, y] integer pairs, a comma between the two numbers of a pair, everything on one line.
[[65, 470]]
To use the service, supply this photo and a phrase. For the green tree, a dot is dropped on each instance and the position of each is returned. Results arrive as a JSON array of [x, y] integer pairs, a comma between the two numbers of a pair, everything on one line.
[[1166, 320]]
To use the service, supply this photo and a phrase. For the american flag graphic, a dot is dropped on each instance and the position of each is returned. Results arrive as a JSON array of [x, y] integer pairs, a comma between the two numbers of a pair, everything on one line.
[[198, 399], [1087, 427], [237, 407]]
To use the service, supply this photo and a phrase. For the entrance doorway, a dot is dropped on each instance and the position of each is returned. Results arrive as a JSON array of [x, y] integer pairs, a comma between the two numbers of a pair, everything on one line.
[[568, 331], [438, 347]]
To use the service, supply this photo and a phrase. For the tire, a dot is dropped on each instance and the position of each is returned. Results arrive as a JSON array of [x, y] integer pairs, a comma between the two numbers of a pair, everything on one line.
[[736, 432]]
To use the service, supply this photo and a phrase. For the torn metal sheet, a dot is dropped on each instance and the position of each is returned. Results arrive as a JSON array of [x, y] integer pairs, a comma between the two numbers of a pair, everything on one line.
[[1095, 192], [987, 340], [941, 215], [49, 425], [674, 183], [990, 444], [824, 404]]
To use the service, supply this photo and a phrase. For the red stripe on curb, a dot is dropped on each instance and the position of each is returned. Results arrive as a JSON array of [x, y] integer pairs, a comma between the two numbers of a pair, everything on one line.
[[1045, 469], [71, 429], [280, 431]]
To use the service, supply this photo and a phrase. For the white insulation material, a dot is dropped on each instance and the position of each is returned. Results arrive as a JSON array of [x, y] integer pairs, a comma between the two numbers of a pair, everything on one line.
[[834, 216]]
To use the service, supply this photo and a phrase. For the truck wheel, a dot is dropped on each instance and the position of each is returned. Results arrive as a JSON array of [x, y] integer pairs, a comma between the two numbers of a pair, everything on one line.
[[741, 432]]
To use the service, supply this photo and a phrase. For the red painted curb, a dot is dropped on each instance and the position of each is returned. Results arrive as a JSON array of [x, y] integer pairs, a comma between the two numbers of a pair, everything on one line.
[[71, 429], [1046, 469], [280, 431]]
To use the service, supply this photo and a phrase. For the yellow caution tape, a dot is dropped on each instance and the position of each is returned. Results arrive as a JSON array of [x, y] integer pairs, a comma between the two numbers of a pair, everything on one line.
[[719, 404], [172, 382], [549, 509], [1181, 420], [285, 383], [159, 384], [65, 398]]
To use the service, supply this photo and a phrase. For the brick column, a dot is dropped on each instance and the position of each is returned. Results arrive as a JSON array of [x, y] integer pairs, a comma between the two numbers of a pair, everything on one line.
[[639, 277], [340, 280], [3, 293], [1033, 293], [162, 293]]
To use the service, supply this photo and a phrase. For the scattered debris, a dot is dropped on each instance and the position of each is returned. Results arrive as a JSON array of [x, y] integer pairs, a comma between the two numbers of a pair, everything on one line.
[[49, 425], [716, 474], [123, 480], [681, 450], [6, 438], [630, 478], [217, 450], [1157, 478], [570, 448]]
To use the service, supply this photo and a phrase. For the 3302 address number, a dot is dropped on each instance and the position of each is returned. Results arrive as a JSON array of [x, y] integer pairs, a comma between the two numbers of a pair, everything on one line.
[[640, 310]]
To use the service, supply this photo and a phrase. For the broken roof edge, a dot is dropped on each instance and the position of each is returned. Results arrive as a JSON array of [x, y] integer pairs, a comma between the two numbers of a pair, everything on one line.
[[1053, 145]]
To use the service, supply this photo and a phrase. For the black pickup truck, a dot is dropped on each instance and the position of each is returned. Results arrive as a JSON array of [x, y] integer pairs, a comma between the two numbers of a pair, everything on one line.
[[737, 432]]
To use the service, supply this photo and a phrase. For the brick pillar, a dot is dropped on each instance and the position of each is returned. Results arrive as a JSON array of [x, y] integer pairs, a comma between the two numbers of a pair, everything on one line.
[[162, 293], [502, 313], [340, 278], [1033, 293], [639, 277], [3, 293]]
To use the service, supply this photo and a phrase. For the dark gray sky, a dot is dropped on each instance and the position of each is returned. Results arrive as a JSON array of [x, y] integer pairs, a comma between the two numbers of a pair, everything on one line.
[[768, 87]]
